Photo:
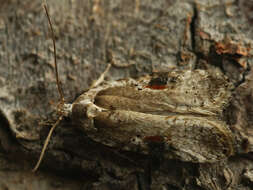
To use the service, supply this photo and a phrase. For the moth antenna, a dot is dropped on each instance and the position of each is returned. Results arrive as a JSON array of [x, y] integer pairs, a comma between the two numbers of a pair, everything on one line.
[[55, 59], [59, 90], [46, 143]]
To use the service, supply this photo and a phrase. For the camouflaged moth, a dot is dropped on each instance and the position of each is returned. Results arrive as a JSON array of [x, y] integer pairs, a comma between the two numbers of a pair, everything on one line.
[[180, 109]]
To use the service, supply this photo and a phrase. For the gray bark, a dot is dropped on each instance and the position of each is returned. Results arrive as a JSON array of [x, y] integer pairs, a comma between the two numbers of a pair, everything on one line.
[[150, 36]]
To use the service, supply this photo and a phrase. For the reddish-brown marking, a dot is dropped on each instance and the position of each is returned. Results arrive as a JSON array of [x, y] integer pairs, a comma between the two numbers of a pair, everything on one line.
[[156, 87], [155, 139]]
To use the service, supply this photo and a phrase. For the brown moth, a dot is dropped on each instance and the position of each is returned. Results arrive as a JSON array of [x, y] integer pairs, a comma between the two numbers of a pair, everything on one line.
[[180, 109]]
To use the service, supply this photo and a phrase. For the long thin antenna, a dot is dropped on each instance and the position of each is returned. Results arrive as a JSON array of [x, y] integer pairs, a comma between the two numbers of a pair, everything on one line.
[[46, 143], [59, 90], [55, 60]]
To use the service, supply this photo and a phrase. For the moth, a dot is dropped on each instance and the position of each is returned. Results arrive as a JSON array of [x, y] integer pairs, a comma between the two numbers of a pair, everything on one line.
[[182, 110]]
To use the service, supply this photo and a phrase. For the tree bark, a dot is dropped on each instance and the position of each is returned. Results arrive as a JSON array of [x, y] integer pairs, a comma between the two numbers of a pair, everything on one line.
[[137, 37]]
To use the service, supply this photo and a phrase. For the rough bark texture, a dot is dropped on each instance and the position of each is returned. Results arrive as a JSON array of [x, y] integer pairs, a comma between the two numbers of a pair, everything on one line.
[[150, 36]]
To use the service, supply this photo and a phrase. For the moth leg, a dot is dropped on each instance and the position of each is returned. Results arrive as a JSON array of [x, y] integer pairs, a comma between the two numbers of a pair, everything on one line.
[[101, 77]]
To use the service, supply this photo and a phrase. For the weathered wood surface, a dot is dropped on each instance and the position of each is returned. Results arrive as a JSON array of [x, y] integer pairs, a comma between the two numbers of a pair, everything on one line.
[[152, 36]]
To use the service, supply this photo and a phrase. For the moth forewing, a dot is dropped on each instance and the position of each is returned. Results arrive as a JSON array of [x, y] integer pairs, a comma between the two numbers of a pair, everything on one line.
[[190, 127]]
